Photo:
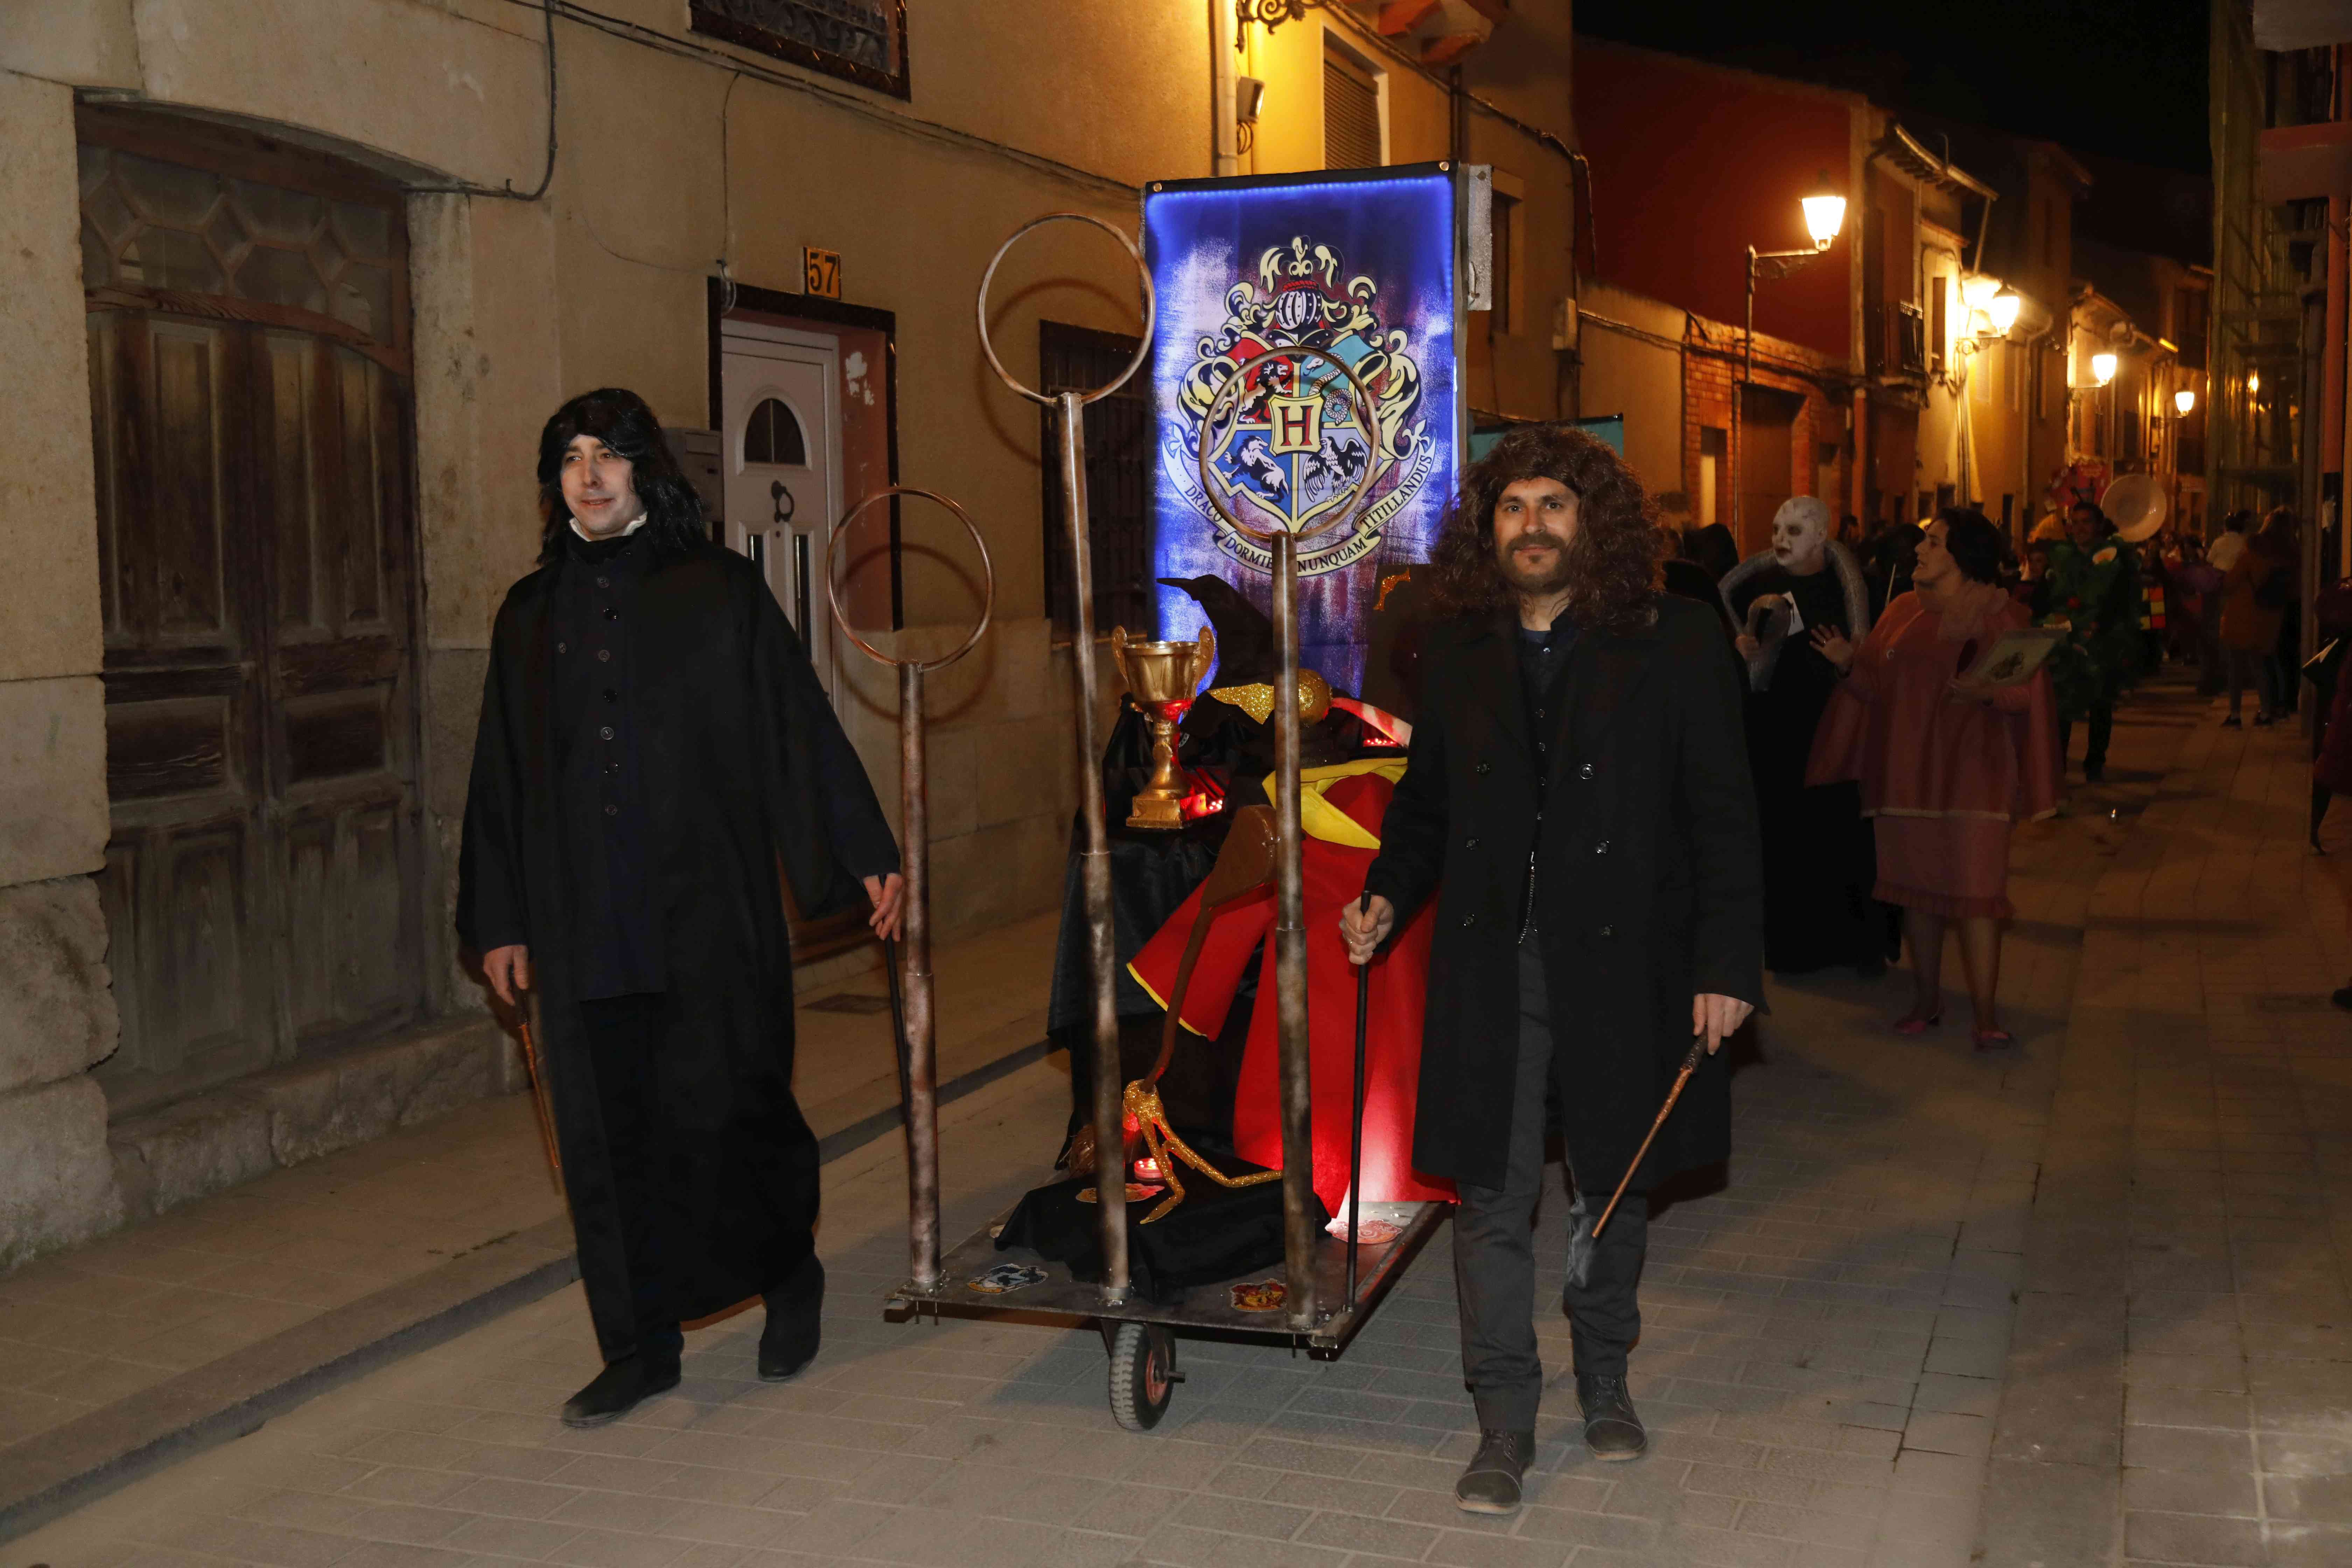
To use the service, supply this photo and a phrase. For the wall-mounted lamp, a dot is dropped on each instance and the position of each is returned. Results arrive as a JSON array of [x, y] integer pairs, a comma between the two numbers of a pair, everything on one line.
[[1824, 212], [1249, 96], [2103, 368], [1273, 13], [2253, 381], [2004, 308], [2184, 400]]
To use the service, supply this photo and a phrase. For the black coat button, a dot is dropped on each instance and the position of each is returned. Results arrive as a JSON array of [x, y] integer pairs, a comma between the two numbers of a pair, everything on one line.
[[603, 656], [1584, 769], [1602, 848], [607, 731], [1606, 932], [610, 695], [611, 811], [1469, 844], [603, 582], [1469, 920], [1540, 712], [562, 647], [611, 614], [1483, 768]]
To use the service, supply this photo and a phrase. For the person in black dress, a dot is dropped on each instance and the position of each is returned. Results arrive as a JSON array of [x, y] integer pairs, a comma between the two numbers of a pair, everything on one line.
[[1818, 860]]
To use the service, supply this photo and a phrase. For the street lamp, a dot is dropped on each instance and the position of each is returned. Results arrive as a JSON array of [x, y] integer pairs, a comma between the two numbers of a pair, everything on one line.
[[2103, 368], [1824, 212], [2184, 400], [2004, 308]]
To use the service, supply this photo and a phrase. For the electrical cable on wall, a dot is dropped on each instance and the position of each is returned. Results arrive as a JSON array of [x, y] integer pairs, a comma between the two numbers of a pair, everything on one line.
[[507, 192]]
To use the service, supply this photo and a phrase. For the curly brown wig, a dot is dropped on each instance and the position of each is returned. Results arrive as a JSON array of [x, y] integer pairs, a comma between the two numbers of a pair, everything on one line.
[[1613, 562]]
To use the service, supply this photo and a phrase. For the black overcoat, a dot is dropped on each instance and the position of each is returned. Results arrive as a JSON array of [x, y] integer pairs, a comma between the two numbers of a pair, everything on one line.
[[1647, 888], [745, 772]]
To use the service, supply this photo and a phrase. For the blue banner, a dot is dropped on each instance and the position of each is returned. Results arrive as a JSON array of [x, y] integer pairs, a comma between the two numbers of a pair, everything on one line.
[[1361, 267]]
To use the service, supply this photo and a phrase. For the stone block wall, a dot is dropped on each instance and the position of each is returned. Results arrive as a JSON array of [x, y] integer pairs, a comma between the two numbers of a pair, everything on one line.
[[57, 1008]]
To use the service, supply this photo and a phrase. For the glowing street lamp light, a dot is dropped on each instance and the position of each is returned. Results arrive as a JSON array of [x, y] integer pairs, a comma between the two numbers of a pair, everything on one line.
[[1825, 213], [2253, 381], [2103, 368], [2004, 308], [2184, 400]]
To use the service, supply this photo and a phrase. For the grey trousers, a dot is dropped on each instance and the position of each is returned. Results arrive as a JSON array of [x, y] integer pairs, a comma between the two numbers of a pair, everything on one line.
[[1495, 1253]]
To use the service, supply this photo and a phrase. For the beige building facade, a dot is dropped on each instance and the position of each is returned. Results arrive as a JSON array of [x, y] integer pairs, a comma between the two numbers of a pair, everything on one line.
[[291, 289]]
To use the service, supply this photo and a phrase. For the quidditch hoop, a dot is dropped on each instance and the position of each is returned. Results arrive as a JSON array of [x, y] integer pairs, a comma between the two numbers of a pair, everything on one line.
[[1143, 276], [1366, 410], [987, 573]]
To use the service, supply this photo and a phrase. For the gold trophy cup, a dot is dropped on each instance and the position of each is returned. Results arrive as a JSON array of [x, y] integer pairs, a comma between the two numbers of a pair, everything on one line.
[[1163, 678]]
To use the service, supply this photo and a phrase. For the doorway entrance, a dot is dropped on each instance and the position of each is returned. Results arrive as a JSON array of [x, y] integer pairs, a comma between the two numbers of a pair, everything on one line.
[[248, 323], [1767, 459], [781, 449]]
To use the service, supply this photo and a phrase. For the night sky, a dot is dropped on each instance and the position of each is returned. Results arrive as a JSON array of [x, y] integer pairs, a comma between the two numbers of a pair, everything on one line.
[[2123, 78]]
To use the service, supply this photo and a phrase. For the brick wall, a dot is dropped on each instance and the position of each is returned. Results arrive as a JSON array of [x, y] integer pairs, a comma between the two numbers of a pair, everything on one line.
[[1711, 370]]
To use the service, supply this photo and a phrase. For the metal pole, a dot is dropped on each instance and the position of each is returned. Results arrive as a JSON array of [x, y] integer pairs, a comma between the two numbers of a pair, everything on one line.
[[922, 1078], [1739, 409], [1110, 1147], [1298, 1227]]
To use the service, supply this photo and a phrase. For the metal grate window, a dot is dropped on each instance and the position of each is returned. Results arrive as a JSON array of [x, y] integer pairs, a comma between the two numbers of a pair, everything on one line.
[[1119, 452], [1351, 114]]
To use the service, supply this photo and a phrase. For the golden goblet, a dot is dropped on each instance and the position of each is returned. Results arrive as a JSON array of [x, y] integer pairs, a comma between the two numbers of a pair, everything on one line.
[[1163, 678]]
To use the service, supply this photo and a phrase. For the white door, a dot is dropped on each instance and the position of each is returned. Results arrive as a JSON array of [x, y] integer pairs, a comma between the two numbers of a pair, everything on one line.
[[782, 392]]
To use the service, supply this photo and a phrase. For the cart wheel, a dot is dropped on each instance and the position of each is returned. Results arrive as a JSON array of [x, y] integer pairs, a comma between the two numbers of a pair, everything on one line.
[[1143, 1374]]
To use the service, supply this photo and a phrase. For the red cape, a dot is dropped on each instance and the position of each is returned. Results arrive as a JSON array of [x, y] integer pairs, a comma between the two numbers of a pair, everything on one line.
[[1334, 877]]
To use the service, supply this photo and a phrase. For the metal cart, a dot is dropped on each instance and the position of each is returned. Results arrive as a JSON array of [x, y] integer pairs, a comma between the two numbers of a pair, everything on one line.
[[1331, 1285]]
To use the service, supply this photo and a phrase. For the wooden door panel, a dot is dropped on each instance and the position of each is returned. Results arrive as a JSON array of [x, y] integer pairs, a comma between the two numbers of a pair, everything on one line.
[[283, 425], [375, 897], [184, 539], [358, 493], [198, 915]]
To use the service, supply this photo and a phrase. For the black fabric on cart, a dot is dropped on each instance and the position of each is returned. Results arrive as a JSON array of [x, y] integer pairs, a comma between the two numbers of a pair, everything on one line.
[[1216, 1234]]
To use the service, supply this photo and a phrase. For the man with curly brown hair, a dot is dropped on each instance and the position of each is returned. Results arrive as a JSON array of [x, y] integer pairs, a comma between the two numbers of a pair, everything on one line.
[[1577, 802]]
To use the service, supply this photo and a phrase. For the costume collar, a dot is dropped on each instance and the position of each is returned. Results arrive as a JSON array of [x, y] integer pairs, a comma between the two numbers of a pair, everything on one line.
[[624, 532]]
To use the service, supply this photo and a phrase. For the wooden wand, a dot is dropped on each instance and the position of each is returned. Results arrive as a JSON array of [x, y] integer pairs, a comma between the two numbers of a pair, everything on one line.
[[539, 1102]]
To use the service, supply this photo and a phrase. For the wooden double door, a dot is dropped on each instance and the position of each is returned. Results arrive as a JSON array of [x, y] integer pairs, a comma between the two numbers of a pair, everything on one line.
[[256, 555]]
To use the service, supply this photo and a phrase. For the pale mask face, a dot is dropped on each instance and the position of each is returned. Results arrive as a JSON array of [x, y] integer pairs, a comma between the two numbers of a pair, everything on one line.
[[1797, 541]]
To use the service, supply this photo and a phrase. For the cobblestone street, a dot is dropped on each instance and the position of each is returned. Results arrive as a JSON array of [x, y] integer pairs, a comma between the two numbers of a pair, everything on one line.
[[1834, 1351]]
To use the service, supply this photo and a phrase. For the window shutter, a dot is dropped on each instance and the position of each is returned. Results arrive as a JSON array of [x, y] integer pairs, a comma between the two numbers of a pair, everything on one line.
[[1351, 116]]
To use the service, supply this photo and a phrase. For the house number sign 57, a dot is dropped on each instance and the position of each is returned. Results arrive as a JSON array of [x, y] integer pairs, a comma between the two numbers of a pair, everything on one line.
[[822, 271]]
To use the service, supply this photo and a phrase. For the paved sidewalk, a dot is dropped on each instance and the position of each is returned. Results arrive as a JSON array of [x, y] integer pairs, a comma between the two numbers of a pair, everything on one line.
[[1825, 1340], [2179, 1386], [212, 1314]]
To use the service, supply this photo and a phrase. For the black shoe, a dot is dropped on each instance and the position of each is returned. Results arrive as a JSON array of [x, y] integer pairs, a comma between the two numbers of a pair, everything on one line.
[[1491, 1484], [621, 1387], [795, 1317], [2233, 722], [2095, 773], [1612, 1430], [2342, 998], [2265, 721]]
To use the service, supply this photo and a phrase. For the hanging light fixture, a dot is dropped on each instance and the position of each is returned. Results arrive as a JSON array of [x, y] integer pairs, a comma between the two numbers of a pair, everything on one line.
[[2184, 400], [2103, 368]]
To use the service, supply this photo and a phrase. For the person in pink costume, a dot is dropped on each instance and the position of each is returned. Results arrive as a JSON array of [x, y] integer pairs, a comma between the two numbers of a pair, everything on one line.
[[1948, 764]]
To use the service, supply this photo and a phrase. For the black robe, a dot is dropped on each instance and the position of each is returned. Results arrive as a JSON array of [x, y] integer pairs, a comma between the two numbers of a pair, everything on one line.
[[745, 774], [1820, 859], [1647, 888]]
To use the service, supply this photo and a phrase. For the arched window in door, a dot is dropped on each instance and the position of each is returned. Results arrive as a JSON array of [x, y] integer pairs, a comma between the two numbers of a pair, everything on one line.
[[774, 436]]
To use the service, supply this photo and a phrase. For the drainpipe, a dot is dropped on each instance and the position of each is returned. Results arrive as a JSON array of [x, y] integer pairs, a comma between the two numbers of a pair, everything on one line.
[[1225, 146]]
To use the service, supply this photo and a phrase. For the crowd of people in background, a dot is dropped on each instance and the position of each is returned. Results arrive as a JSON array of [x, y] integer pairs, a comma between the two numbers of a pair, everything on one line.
[[1890, 773]]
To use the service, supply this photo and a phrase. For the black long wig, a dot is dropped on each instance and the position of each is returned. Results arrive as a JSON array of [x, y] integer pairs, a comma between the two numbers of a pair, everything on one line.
[[625, 423]]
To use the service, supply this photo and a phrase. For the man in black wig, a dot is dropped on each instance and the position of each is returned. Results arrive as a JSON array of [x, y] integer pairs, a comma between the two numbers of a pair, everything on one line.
[[654, 747]]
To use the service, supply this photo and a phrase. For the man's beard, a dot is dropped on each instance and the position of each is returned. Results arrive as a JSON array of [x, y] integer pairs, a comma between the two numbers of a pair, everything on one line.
[[1525, 579]]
